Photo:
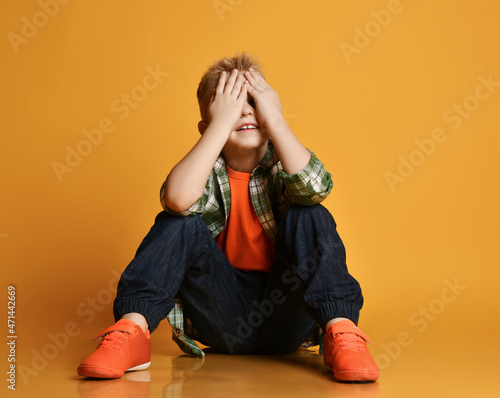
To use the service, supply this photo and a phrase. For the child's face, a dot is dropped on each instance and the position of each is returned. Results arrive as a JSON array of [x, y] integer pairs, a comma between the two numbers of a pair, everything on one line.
[[247, 135]]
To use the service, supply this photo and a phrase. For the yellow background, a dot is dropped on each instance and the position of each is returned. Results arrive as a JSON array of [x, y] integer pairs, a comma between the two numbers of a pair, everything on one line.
[[61, 241]]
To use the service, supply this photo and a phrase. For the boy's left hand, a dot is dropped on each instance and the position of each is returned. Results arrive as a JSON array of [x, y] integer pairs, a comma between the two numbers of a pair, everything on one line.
[[267, 101]]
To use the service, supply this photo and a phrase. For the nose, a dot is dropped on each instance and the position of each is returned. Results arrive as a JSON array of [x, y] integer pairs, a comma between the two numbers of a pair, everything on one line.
[[247, 110]]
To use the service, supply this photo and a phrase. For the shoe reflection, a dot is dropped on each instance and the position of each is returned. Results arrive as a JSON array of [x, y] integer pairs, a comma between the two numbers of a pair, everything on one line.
[[131, 384], [353, 390], [310, 359]]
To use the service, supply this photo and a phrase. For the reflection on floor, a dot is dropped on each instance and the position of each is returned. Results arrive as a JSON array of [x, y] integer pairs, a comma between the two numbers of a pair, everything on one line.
[[437, 364], [299, 374]]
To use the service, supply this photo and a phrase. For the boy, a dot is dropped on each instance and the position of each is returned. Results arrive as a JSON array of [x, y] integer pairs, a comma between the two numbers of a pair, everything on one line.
[[243, 242]]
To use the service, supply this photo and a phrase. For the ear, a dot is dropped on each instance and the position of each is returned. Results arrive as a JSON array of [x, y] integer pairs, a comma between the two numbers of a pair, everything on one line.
[[202, 126]]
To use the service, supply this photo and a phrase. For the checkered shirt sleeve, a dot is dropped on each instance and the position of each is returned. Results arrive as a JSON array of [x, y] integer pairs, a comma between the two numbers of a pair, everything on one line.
[[311, 185]]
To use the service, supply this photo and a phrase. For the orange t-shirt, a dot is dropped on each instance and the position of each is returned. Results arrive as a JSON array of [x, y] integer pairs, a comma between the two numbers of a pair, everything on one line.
[[243, 240]]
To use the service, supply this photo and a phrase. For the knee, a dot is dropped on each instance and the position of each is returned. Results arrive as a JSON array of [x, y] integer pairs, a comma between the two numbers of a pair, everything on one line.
[[164, 217], [311, 214], [170, 229], [168, 221]]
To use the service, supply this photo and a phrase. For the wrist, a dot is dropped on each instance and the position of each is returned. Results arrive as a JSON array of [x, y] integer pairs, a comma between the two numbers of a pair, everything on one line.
[[220, 125], [218, 130], [275, 124]]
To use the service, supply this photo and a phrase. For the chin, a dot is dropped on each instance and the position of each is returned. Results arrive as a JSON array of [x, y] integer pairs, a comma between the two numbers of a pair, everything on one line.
[[246, 143]]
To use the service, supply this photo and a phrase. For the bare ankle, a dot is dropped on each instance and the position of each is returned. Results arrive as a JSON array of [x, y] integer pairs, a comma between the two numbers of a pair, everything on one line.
[[335, 320], [137, 318]]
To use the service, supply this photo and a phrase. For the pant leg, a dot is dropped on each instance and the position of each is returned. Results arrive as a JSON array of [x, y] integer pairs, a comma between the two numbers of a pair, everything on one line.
[[179, 255], [308, 281], [151, 280]]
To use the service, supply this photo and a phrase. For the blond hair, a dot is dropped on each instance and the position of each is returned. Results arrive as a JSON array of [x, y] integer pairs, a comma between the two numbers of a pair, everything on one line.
[[209, 80]]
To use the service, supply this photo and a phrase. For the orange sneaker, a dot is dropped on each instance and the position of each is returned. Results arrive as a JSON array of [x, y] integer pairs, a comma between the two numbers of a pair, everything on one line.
[[124, 347], [346, 352]]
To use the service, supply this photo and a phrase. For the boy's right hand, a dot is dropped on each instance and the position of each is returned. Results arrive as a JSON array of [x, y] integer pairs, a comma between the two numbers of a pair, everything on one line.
[[227, 101], [186, 182]]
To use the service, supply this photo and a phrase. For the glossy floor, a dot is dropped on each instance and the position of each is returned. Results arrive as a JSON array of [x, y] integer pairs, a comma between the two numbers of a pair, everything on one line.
[[433, 365]]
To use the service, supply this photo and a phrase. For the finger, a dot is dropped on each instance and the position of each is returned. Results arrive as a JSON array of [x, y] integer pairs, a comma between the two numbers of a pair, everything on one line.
[[212, 97], [256, 79], [221, 83], [250, 77], [237, 85], [250, 89], [230, 81], [243, 92], [258, 75]]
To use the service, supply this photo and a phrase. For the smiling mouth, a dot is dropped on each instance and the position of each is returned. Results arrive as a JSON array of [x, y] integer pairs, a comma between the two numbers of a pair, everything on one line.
[[247, 127]]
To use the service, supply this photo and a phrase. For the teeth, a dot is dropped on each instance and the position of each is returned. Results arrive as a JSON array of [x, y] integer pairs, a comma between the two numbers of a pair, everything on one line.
[[247, 127]]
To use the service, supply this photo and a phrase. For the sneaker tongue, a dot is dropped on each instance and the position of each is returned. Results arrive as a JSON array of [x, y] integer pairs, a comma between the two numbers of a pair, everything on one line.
[[350, 341], [115, 335], [346, 328], [123, 325], [350, 337], [113, 338]]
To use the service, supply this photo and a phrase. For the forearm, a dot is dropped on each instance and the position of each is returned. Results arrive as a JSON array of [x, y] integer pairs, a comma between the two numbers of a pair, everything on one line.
[[186, 182], [293, 155]]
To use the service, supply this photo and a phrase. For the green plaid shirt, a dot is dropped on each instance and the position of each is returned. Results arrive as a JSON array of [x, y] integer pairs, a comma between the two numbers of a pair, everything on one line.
[[272, 192]]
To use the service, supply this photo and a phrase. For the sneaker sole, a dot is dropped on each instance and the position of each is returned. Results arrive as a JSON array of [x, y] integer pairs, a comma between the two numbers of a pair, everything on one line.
[[357, 376], [107, 373], [139, 367]]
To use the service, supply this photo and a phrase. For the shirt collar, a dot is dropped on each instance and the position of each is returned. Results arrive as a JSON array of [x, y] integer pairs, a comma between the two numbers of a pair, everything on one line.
[[270, 156]]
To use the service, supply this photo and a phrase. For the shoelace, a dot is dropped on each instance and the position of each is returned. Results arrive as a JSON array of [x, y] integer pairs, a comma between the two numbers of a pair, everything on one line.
[[350, 341], [114, 339]]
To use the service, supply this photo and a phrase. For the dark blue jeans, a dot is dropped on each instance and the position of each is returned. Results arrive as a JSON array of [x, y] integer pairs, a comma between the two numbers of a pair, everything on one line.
[[236, 311]]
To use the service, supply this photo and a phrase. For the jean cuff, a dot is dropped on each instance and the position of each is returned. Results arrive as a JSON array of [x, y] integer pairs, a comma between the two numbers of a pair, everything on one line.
[[338, 309], [124, 306]]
